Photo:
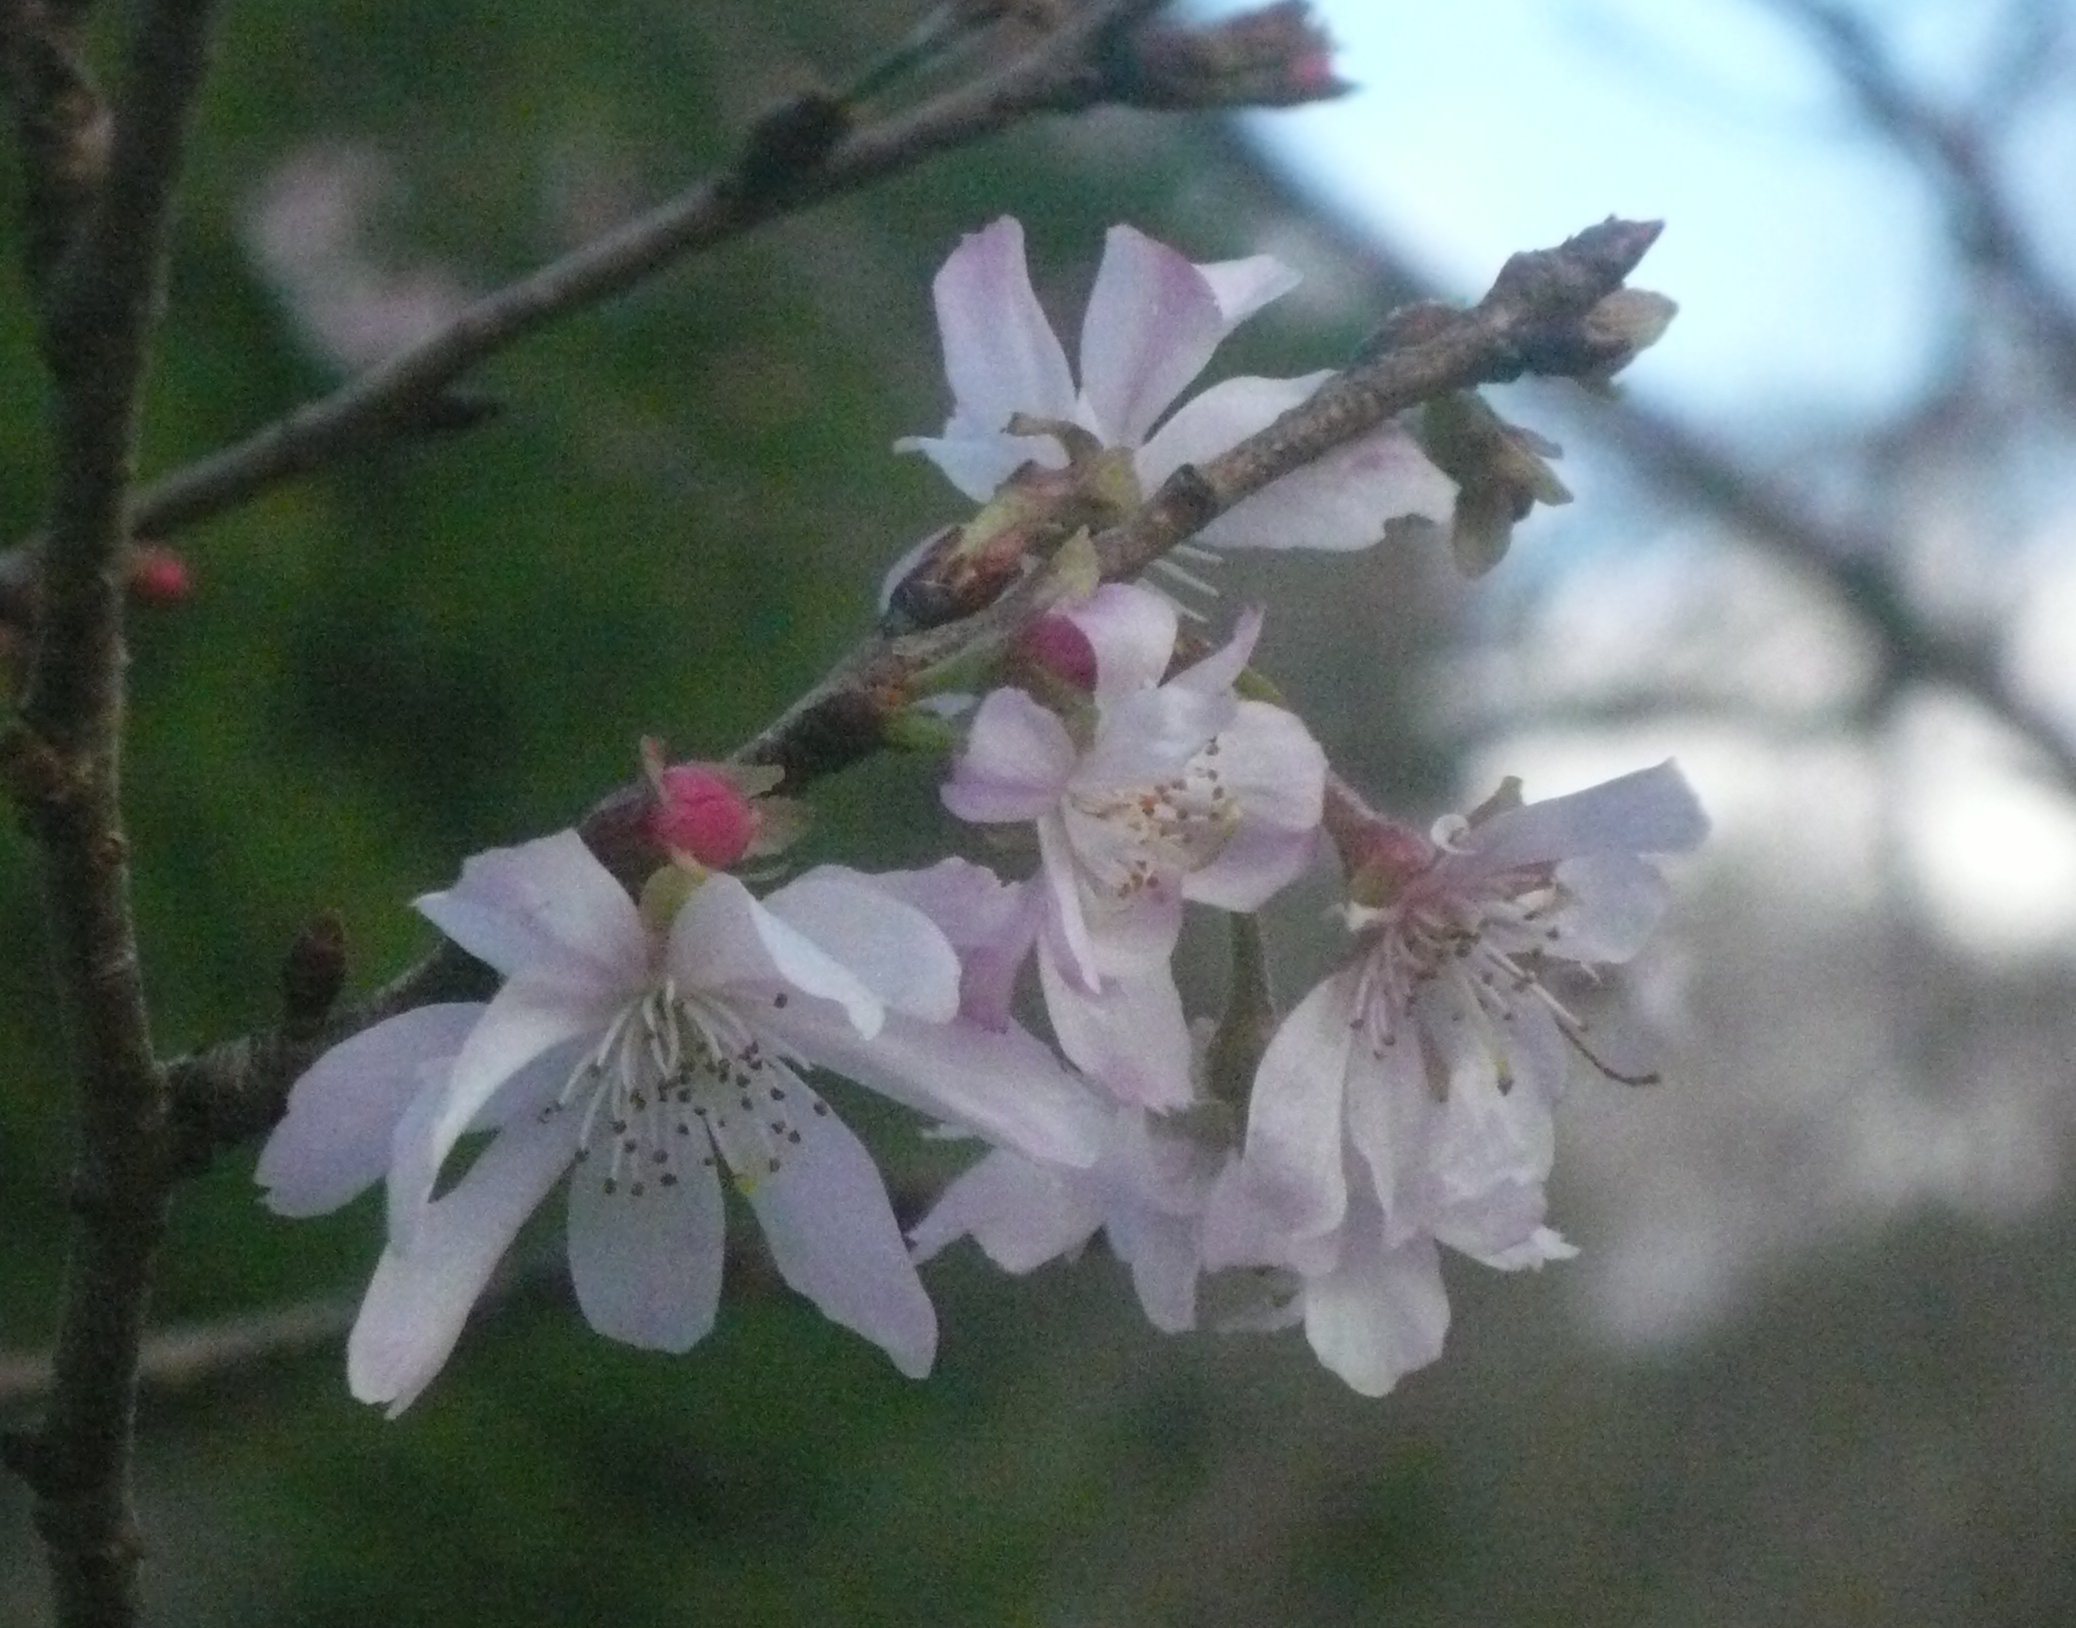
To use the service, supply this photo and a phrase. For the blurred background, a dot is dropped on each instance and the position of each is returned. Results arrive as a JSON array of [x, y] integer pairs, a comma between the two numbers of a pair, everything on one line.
[[1817, 1360]]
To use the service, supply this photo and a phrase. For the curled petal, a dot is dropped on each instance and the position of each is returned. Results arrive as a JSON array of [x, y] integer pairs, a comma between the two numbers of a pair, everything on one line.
[[896, 950], [723, 939], [1243, 287], [545, 907]]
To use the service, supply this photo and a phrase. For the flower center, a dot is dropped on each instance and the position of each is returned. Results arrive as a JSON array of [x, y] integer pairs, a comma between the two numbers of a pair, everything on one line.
[[1173, 827], [1474, 957], [677, 1077]]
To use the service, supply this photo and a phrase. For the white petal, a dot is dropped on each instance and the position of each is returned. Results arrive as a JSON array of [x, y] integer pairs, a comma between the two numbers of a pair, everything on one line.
[[1132, 632], [1652, 811], [1016, 764], [1022, 1214], [1221, 670], [1243, 287], [1149, 736], [991, 923], [527, 1019], [334, 1141], [1064, 930], [1152, 323], [1294, 1161], [977, 464], [724, 941], [1000, 354], [417, 1303], [1131, 1038], [1616, 899], [1380, 1314], [1257, 862], [1002, 1084], [545, 907], [1339, 502], [647, 1268], [834, 1238], [1390, 1118], [894, 949], [1161, 1251]]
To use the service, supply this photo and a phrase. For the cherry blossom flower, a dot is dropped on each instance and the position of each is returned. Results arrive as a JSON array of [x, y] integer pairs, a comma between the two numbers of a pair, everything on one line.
[[650, 1047], [1420, 1077], [1153, 319], [1148, 794]]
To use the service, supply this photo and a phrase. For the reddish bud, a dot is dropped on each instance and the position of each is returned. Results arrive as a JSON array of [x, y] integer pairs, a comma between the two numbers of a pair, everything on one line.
[[1382, 857], [159, 576], [703, 813], [1059, 649]]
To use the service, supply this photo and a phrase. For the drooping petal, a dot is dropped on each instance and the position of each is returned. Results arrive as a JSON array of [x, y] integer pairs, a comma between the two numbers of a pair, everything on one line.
[[1653, 811], [1152, 323], [1022, 1214], [546, 908], [334, 1141], [896, 950], [527, 1019], [725, 941], [1293, 1160], [1132, 632], [1000, 354], [647, 1268], [1339, 502], [833, 1237], [1016, 764], [1002, 1084], [1221, 670], [418, 1301], [1130, 1037], [1378, 1315]]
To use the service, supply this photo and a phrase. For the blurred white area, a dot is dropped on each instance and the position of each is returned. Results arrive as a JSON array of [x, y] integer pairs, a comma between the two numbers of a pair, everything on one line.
[[1867, 987]]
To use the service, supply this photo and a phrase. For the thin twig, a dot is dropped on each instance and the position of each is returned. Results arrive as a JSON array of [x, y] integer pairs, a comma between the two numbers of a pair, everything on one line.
[[1086, 63], [1530, 320], [62, 760]]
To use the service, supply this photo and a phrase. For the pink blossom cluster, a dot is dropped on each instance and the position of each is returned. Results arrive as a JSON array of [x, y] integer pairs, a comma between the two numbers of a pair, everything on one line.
[[648, 1052]]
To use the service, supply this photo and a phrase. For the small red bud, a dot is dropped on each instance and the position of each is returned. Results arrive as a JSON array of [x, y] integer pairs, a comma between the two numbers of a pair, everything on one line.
[[159, 576], [1054, 645], [702, 813]]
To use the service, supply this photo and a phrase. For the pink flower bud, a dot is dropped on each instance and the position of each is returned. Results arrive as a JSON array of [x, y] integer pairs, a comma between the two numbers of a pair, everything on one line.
[[1054, 645], [158, 576], [702, 813]]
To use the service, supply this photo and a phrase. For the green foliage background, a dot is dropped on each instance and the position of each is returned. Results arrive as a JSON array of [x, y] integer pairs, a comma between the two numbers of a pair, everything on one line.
[[680, 515]]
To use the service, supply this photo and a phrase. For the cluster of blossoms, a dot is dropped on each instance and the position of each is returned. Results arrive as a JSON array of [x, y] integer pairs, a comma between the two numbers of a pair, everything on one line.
[[657, 1048]]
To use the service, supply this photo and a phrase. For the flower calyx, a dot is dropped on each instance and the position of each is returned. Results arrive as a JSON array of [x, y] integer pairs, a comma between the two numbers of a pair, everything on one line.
[[1500, 470]]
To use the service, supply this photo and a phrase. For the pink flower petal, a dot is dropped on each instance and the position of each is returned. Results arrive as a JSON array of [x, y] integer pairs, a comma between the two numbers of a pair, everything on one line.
[[1000, 354], [1151, 325], [647, 1269], [1016, 763], [1132, 632]]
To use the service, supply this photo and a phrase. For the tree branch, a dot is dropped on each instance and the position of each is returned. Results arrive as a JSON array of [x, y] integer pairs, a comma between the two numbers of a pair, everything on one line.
[[800, 155], [62, 760], [1530, 321]]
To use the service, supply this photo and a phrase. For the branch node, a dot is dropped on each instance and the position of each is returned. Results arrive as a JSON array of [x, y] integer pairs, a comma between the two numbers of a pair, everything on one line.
[[788, 142], [312, 976]]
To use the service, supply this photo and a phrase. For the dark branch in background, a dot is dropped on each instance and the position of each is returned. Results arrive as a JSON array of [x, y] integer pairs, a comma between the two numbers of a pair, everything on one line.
[[1954, 152], [62, 759], [1532, 320], [803, 153], [60, 122], [1852, 562]]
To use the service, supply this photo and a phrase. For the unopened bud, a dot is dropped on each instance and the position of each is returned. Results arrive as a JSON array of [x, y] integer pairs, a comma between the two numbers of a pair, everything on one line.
[[159, 576], [1623, 326], [1274, 57], [716, 815]]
